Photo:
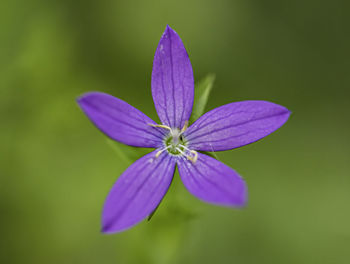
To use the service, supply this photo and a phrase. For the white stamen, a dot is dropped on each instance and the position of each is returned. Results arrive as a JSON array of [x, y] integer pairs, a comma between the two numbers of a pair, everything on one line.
[[162, 126], [195, 154], [161, 151], [184, 128], [179, 150], [186, 148]]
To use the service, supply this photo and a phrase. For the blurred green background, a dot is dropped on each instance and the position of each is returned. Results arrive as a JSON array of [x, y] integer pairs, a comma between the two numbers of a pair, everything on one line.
[[56, 168]]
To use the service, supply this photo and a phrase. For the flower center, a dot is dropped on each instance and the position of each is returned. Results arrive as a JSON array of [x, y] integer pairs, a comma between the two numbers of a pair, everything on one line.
[[176, 144]]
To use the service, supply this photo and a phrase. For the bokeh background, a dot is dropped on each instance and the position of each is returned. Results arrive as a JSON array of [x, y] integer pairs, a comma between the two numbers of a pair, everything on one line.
[[56, 168]]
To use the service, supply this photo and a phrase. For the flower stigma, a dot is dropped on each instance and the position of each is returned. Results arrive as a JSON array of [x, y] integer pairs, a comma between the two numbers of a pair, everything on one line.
[[176, 144]]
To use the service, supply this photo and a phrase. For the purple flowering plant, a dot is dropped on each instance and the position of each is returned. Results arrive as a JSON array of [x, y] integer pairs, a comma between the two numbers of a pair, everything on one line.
[[140, 189]]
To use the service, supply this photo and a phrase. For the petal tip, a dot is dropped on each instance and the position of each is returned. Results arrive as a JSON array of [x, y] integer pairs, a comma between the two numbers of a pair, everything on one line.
[[86, 96], [81, 100], [105, 227], [169, 31], [168, 28], [286, 113], [110, 228], [106, 231], [241, 200]]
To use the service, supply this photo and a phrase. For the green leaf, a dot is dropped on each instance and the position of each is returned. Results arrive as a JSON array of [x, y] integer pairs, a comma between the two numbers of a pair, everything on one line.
[[201, 96], [127, 154]]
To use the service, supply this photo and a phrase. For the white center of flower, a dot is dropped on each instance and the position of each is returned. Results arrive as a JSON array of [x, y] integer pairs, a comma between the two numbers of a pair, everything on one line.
[[176, 144]]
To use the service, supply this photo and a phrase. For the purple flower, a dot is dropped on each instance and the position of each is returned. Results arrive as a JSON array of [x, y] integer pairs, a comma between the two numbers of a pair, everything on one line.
[[142, 186]]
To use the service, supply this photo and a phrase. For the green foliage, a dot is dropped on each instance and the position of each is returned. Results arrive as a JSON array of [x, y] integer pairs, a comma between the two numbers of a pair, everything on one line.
[[125, 153], [201, 96]]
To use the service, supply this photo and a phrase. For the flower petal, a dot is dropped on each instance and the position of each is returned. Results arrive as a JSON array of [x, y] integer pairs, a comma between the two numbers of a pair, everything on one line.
[[212, 181], [137, 192], [172, 81], [235, 125], [120, 121]]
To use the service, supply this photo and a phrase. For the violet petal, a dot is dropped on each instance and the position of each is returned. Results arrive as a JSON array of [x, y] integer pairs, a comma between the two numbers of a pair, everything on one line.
[[172, 81], [120, 121], [212, 181], [137, 192], [235, 125]]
